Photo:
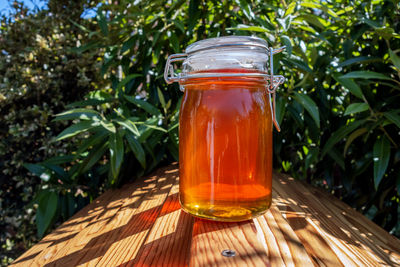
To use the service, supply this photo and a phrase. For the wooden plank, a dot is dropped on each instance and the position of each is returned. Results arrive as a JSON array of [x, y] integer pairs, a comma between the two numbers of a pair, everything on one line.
[[89, 244], [124, 248], [91, 238], [282, 244], [300, 214], [66, 231], [168, 243], [388, 245], [319, 225], [210, 238], [141, 224]]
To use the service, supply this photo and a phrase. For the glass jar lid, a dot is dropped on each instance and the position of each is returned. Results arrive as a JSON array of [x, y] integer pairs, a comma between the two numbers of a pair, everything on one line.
[[226, 53], [250, 42]]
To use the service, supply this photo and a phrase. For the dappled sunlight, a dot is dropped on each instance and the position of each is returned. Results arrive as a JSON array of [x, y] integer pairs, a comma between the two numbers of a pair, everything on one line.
[[325, 227], [146, 227]]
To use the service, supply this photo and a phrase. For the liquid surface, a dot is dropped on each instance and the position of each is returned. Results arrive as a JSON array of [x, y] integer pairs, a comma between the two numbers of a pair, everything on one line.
[[225, 148]]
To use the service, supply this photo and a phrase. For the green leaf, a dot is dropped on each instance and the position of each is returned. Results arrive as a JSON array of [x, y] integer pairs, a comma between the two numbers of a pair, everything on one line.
[[81, 27], [330, 12], [101, 20], [179, 25], [242, 27], [301, 65], [94, 156], [75, 129], [312, 20], [78, 113], [350, 85], [310, 4], [109, 126], [116, 153], [128, 44], [352, 137], [286, 41], [38, 170], [357, 60], [386, 32], [126, 80], [246, 9], [60, 159], [381, 156], [86, 47], [290, 9], [174, 42], [393, 116], [356, 108], [60, 173], [128, 125], [173, 126], [136, 148], [398, 183], [66, 204], [91, 141], [99, 95], [285, 22], [173, 150], [373, 24], [309, 105], [145, 132], [365, 75], [194, 13], [395, 59], [295, 116], [339, 135], [89, 102], [280, 109], [168, 105], [35, 169], [161, 97], [152, 126], [47, 207], [333, 153], [265, 22], [311, 157], [143, 105]]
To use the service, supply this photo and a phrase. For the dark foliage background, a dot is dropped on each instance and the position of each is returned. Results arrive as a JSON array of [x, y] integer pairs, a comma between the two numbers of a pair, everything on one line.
[[339, 108], [39, 75]]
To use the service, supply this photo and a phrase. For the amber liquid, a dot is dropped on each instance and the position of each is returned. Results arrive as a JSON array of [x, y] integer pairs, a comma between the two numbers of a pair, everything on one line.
[[225, 148]]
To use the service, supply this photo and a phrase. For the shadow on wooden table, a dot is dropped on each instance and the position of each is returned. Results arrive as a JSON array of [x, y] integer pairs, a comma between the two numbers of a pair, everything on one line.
[[97, 246], [329, 228], [142, 224], [84, 234]]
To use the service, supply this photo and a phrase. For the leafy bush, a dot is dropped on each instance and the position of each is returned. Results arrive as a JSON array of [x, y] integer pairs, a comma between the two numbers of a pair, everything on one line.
[[38, 76], [338, 109]]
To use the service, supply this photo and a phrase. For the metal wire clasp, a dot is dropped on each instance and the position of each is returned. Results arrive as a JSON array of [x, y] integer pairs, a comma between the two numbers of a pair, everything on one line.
[[274, 82], [169, 73]]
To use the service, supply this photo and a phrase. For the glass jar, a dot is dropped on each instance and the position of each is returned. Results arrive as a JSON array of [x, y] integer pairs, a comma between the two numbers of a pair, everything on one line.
[[225, 135]]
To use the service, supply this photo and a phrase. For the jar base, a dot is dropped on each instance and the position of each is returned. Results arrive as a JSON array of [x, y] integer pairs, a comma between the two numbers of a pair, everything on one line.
[[224, 213]]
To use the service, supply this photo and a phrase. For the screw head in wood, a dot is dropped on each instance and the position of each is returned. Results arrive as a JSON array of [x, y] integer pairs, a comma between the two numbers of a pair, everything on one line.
[[228, 253]]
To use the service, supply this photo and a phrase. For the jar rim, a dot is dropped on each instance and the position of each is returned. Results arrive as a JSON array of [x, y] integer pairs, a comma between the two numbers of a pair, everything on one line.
[[227, 41]]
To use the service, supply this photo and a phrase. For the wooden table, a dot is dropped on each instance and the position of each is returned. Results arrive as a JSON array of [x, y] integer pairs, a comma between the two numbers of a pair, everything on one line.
[[141, 224]]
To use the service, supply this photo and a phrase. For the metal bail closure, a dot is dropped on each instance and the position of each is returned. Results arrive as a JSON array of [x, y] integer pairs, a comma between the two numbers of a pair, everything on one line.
[[169, 73], [274, 82]]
